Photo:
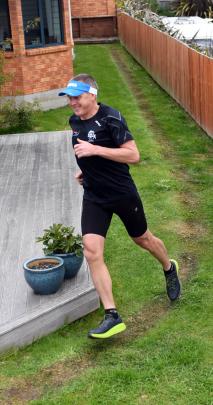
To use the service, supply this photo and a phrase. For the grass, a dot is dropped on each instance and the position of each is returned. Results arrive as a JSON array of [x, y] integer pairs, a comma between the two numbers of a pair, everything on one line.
[[165, 356]]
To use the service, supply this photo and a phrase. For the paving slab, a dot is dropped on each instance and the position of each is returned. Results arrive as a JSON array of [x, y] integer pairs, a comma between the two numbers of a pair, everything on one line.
[[37, 189]]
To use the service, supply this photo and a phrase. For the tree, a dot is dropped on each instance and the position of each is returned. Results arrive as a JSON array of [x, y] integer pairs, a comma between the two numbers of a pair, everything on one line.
[[201, 8]]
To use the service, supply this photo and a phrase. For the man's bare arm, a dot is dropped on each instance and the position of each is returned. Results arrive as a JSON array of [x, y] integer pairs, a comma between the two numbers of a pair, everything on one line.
[[127, 153]]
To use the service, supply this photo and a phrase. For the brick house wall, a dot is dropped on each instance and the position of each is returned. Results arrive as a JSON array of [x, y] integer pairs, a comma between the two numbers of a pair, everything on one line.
[[91, 8], [39, 69], [94, 19]]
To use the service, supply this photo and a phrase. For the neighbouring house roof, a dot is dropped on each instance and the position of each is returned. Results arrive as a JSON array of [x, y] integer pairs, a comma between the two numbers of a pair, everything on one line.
[[200, 30], [171, 21]]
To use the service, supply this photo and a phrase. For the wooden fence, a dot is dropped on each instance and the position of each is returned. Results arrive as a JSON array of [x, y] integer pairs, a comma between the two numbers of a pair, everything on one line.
[[183, 72]]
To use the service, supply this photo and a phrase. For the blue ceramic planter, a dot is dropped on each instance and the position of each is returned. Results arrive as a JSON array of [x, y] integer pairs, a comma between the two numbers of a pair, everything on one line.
[[72, 263], [44, 280]]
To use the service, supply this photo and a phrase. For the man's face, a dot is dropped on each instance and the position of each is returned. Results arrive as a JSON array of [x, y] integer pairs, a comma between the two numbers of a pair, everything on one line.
[[83, 105]]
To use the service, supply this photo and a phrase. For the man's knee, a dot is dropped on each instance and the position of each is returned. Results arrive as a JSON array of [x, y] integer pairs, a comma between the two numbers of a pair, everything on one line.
[[145, 240], [92, 254]]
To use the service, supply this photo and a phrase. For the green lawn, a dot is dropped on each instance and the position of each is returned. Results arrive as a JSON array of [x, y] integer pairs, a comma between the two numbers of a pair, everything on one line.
[[165, 356]]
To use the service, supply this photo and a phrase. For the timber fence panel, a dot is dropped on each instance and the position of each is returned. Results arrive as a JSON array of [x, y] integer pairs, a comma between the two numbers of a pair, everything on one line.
[[194, 80], [183, 72], [206, 72]]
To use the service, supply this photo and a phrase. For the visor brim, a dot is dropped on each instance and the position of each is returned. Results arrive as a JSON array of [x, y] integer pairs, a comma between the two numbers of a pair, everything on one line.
[[71, 92]]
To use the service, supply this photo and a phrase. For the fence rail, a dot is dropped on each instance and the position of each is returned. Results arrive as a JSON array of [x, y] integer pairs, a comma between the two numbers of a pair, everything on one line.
[[183, 72]]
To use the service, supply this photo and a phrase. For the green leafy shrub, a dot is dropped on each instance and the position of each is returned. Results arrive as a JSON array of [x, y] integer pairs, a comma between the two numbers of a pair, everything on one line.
[[60, 239], [17, 117], [143, 11], [135, 7], [201, 8], [14, 116]]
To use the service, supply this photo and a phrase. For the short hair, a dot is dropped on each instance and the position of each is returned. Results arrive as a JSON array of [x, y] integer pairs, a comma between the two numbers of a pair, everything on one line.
[[85, 78]]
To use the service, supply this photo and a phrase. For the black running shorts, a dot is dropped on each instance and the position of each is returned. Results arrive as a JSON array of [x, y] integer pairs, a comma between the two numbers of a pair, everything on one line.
[[96, 217]]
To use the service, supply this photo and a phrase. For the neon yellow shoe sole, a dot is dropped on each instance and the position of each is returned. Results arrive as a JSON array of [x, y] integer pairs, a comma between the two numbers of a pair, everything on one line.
[[113, 331], [176, 264]]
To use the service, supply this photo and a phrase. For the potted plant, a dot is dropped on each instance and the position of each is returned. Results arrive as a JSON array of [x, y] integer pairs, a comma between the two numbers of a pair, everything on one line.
[[61, 241], [44, 275]]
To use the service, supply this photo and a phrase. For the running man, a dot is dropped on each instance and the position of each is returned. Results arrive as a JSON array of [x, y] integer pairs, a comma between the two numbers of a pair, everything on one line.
[[104, 147]]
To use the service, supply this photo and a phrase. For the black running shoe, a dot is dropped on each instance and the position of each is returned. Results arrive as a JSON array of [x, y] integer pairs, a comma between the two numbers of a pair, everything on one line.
[[173, 287], [107, 328]]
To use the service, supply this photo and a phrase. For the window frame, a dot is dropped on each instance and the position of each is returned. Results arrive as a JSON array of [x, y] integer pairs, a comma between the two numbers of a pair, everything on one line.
[[8, 48], [41, 16]]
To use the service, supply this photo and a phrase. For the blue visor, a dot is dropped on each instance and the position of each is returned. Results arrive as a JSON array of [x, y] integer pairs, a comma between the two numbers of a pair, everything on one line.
[[76, 88]]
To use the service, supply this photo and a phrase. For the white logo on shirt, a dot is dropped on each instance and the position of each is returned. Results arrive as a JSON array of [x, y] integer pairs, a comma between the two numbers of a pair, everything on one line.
[[98, 123], [91, 136]]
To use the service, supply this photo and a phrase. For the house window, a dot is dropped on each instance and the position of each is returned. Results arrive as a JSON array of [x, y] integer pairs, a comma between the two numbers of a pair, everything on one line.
[[42, 23], [5, 31]]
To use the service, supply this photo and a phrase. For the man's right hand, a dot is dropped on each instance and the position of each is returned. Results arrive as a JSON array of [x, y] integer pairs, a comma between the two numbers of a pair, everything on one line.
[[79, 177]]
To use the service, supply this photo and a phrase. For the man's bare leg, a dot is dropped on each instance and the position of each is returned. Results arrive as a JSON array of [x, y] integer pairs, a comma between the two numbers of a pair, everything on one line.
[[94, 253], [156, 247]]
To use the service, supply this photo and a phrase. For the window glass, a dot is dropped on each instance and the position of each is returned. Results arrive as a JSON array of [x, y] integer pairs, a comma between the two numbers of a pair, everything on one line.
[[5, 31], [42, 22], [51, 19], [31, 23]]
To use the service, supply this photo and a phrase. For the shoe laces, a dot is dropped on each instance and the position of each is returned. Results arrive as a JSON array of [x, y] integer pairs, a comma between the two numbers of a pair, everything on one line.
[[171, 281], [106, 316]]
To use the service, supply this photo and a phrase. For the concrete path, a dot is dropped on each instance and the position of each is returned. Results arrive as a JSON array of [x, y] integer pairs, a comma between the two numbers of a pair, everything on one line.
[[37, 189]]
